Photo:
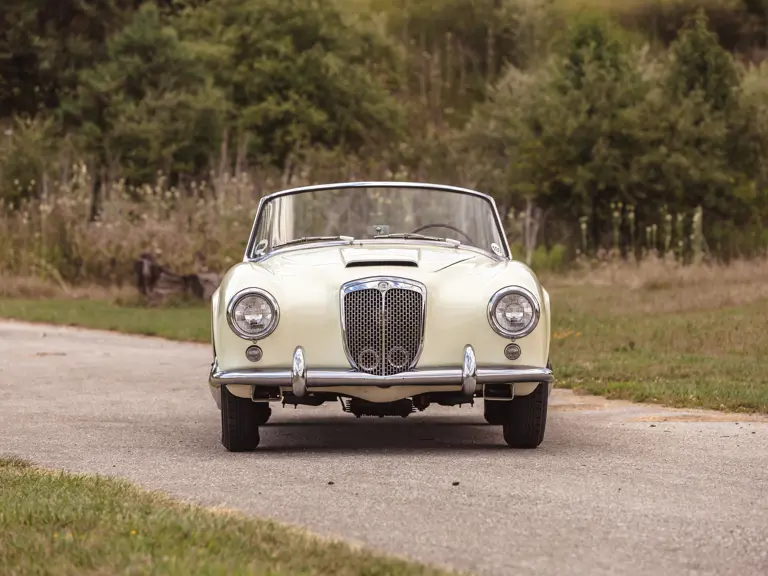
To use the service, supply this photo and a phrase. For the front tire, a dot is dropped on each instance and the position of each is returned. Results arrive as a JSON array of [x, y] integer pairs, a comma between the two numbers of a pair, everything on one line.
[[495, 411], [265, 411], [240, 420], [526, 419]]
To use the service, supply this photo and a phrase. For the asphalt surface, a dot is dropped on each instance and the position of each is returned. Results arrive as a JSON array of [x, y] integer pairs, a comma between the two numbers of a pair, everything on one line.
[[615, 488]]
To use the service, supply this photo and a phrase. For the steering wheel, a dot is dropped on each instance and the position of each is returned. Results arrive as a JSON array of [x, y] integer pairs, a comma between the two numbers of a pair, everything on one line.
[[449, 227]]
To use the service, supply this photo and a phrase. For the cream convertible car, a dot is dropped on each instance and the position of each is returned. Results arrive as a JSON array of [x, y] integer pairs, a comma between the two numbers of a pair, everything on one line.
[[387, 297]]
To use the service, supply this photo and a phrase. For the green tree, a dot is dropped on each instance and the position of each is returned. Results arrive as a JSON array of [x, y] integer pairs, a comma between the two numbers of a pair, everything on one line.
[[297, 75], [684, 161], [698, 151], [700, 64], [44, 44], [703, 88], [565, 137], [498, 143], [584, 125], [457, 48], [592, 40], [151, 104]]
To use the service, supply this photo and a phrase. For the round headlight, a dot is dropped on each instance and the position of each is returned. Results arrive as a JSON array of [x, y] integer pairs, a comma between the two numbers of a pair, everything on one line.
[[513, 312], [252, 314]]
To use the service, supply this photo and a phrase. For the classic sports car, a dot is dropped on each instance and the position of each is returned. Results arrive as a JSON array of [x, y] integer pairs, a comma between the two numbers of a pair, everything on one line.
[[342, 296]]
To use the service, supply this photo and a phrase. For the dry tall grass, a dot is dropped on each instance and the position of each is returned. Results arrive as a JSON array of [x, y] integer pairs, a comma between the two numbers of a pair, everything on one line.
[[51, 247], [199, 228], [35, 288], [656, 285]]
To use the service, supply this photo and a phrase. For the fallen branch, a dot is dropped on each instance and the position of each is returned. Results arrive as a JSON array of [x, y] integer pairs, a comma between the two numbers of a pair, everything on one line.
[[157, 283]]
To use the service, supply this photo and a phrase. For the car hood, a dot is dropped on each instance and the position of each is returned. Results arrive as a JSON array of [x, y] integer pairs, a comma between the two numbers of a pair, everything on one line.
[[339, 264]]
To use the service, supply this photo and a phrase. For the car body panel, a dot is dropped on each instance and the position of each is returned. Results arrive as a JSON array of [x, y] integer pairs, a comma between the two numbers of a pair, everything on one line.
[[306, 284], [305, 280]]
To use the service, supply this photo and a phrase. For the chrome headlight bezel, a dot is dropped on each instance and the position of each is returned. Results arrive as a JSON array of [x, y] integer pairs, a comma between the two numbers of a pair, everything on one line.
[[237, 298], [528, 295]]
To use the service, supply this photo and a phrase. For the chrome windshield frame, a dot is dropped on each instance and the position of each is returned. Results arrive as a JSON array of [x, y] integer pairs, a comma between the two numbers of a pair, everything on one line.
[[249, 257]]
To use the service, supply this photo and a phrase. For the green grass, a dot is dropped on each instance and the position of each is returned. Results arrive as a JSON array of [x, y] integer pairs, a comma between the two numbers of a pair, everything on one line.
[[61, 524], [182, 323], [703, 357], [683, 345]]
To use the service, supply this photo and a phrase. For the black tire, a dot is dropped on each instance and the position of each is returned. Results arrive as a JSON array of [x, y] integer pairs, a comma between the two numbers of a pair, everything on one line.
[[240, 419], [495, 411], [265, 411], [527, 419]]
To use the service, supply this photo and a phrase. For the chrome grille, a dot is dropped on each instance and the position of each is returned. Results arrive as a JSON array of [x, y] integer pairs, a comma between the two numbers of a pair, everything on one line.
[[383, 322]]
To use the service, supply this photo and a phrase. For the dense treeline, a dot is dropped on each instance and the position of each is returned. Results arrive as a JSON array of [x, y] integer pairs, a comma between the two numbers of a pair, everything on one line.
[[617, 126]]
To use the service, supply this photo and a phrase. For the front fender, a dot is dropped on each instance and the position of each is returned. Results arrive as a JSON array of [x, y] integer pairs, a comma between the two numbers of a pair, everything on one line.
[[215, 392], [546, 319], [214, 315], [309, 303]]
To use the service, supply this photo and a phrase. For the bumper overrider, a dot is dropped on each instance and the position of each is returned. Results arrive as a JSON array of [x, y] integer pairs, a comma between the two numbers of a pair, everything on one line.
[[302, 379]]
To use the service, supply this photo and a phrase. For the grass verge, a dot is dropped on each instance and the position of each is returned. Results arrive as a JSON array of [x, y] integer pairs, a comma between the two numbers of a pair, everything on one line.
[[691, 336], [60, 524], [183, 323], [703, 358]]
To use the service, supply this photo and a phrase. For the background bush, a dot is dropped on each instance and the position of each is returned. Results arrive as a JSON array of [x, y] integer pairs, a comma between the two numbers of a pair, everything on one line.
[[602, 128]]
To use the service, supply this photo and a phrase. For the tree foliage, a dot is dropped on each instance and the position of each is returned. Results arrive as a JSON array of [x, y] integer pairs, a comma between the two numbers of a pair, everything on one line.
[[150, 105], [700, 64], [575, 114], [605, 128], [296, 74], [156, 86]]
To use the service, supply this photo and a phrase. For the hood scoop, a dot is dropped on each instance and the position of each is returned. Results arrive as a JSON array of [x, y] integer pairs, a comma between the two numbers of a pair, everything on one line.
[[381, 262], [361, 257]]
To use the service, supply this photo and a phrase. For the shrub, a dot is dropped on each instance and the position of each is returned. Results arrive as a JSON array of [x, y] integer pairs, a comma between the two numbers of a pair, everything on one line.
[[28, 154], [552, 260]]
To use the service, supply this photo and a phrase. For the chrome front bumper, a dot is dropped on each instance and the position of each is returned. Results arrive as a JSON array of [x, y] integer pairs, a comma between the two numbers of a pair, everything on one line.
[[301, 379]]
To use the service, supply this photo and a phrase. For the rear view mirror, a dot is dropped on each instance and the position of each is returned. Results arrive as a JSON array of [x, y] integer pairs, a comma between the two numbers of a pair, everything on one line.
[[261, 247]]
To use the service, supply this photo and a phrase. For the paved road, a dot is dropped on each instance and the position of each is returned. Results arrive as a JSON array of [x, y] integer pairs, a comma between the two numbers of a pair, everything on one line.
[[614, 489]]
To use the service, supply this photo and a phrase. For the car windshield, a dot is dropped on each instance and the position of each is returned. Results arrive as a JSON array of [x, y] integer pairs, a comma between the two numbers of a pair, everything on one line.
[[376, 213]]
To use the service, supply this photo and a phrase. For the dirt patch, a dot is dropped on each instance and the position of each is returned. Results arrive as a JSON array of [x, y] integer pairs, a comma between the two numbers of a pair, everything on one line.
[[706, 417], [574, 407], [563, 400]]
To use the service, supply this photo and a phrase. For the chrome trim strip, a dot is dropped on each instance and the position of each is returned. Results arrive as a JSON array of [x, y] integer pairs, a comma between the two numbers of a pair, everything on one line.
[[299, 373], [247, 292], [371, 282], [322, 378], [316, 188], [469, 372], [378, 184], [514, 290], [368, 241]]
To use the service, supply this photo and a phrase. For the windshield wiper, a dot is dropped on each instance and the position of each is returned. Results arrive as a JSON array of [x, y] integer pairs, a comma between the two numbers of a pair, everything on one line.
[[411, 236], [303, 239]]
